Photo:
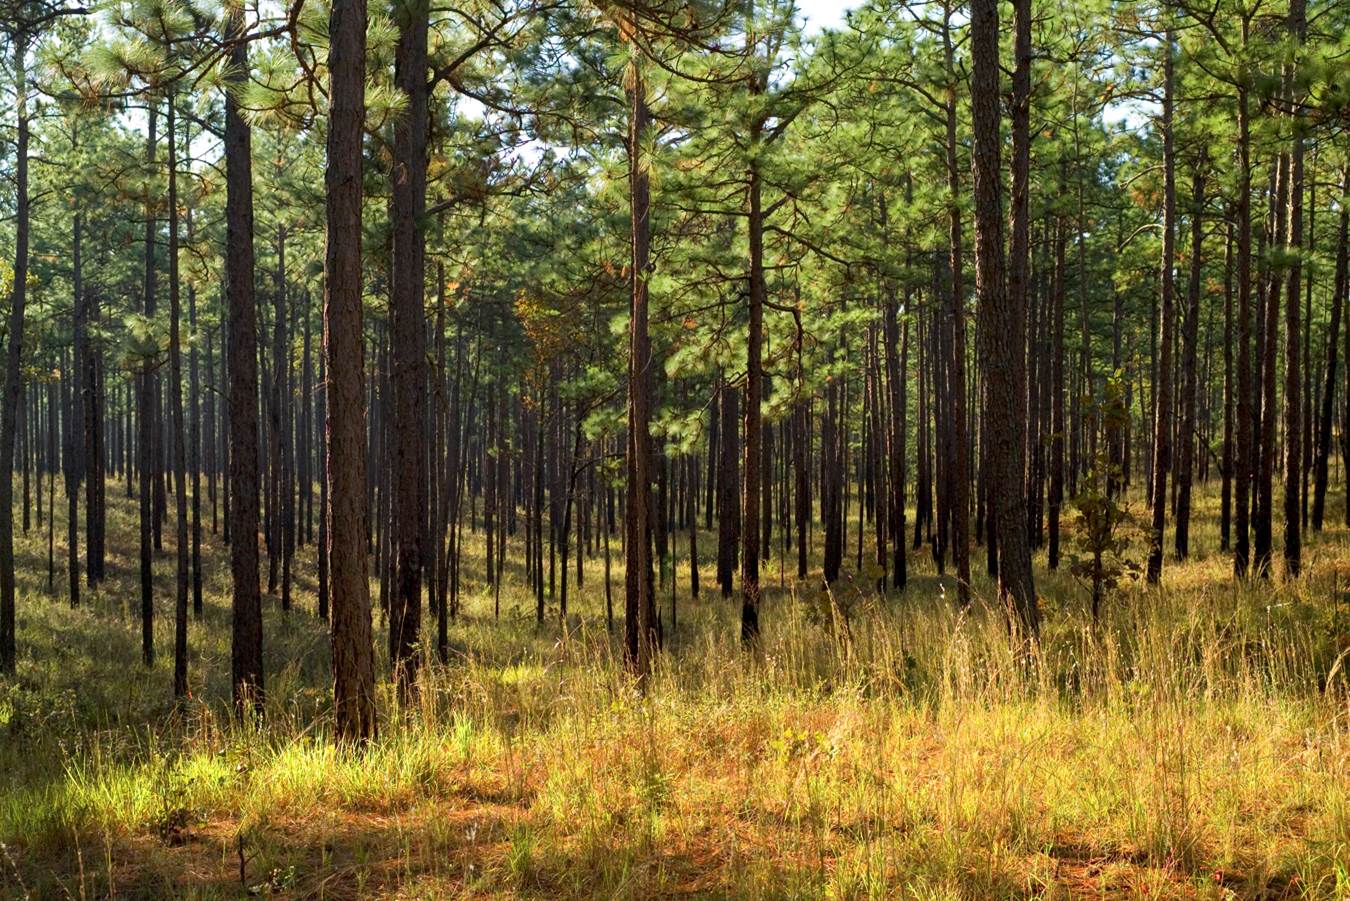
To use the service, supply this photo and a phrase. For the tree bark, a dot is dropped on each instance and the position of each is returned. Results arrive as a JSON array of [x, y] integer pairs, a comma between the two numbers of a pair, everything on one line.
[[1265, 500], [1002, 327], [246, 640], [74, 433], [179, 449], [1189, 353], [754, 392], [1162, 423], [1244, 423], [958, 484], [146, 417], [641, 630], [1323, 456], [1293, 377], [344, 424], [408, 379]]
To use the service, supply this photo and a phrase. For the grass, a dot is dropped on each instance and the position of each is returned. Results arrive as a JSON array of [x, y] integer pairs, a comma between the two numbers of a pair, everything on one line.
[[1194, 745]]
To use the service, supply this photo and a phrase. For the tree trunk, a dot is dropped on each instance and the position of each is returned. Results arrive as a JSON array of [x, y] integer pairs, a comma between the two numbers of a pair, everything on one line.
[[146, 417], [1244, 423], [74, 433], [1229, 389], [641, 630], [1162, 423], [728, 494], [344, 425], [1002, 327], [408, 379], [958, 484], [754, 395], [1265, 500], [180, 649], [1056, 498], [1320, 462], [246, 642], [1189, 353], [1293, 378]]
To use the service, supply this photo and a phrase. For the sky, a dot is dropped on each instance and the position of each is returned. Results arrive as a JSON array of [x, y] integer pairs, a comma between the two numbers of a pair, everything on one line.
[[823, 13]]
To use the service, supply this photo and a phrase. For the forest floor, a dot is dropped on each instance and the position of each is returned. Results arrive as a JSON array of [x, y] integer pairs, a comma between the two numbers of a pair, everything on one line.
[[1195, 744]]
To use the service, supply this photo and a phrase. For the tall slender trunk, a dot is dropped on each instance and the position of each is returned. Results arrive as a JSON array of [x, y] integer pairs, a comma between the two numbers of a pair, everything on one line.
[[1229, 389], [1056, 498], [407, 325], [641, 630], [94, 489], [754, 392], [146, 416], [1265, 482], [179, 447], [1019, 293], [831, 483], [246, 641], [1293, 378], [195, 454], [1189, 387], [1329, 369], [1002, 327], [957, 483], [896, 372], [1244, 423], [728, 493], [1162, 423], [74, 432], [346, 513]]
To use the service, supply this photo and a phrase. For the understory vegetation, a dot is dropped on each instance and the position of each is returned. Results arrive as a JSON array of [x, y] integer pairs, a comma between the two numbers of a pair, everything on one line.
[[1195, 743]]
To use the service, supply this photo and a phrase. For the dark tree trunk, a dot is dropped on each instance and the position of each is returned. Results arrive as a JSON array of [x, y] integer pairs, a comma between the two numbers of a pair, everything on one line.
[[346, 512], [195, 457], [1189, 352], [305, 436], [1229, 388], [246, 643], [321, 458], [801, 479], [1162, 423], [957, 483], [754, 397], [831, 483], [94, 488], [1244, 422], [1293, 378], [1019, 295], [146, 417], [691, 517], [408, 378], [1056, 498], [179, 448], [282, 533], [74, 432], [641, 629], [1320, 462], [728, 493], [896, 372], [1002, 326], [1265, 483], [923, 482]]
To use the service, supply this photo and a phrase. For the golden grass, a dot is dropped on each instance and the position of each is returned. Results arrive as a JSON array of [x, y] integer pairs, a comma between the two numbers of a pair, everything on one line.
[[1196, 744]]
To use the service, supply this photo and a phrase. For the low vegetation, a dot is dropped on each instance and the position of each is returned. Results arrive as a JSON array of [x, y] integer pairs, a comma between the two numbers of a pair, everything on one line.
[[1193, 744]]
